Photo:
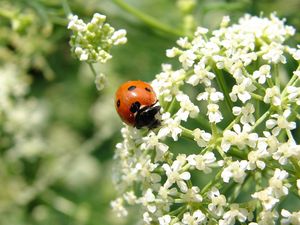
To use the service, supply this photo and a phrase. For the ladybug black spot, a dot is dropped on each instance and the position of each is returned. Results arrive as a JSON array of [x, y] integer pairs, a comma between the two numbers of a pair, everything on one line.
[[147, 89], [118, 103], [131, 88], [135, 107]]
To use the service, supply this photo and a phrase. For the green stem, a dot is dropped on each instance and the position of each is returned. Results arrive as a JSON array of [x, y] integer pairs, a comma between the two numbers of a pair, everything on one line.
[[66, 8], [261, 119], [152, 22], [257, 97], [223, 86], [92, 69], [294, 78], [187, 133]]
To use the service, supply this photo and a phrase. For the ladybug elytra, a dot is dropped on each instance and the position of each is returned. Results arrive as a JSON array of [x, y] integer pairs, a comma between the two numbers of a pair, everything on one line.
[[135, 102]]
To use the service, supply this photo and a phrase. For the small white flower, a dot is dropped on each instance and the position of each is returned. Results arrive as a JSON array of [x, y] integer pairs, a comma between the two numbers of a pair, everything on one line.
[[191, 195], [214, 115], [254, 159], [279, 122], [211, 95], [272, 96], [294, 94], [187, 58], [239, 137], [273, 53], [247, 112], [279, 188], [286, 151], [151, 141], [202, 162], [167, 83], [235, 170], [100, 81], [201, 137], [266, 198], [187, 108], [202, 75], [92, 42], [262, 74], [118, 208], [169, 127], [194, 219], [242, 91], [290, 218], [235, 213], [164, 220], [175, 175], [218, 202]]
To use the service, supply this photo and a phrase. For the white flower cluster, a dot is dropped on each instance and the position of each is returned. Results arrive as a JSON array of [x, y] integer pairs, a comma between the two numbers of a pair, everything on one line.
[[92, 42], [245, 144]]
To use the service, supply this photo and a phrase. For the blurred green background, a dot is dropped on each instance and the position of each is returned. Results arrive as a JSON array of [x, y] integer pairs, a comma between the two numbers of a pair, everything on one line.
[[57, 132]]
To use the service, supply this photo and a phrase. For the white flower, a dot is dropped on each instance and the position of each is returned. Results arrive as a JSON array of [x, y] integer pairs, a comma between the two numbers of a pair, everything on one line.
[[191, 195], [294, 94], [118, 208], [201, 137], [151, 141], [235, 213], [174, 174], [267, 217], [211, 95], [236, 171], [187, 108], [148, 200], [276, 182], [169, 127], [266, 198], [286, 151], [196, 218], [273, 53], [254, 159], [246, 111], [202, 162], [214, 115], [262, 74], [202, 75], [278, 122], [100, 81], [242, 91], [218, 202], [147, 218], [164, 220], [167, 83], [239, 137], [290, 218], [92, 42], [187, 58], [272, 96]]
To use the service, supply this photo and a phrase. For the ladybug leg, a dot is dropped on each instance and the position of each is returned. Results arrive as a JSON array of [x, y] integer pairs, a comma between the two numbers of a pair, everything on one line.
[[145, 117]]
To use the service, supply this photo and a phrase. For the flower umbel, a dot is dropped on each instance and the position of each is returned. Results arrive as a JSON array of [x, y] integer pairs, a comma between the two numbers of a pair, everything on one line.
[[91, 42], [240, 119]]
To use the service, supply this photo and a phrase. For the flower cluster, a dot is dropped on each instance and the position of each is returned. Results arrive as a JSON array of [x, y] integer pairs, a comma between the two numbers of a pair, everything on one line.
[[244, 141], [92, 42]]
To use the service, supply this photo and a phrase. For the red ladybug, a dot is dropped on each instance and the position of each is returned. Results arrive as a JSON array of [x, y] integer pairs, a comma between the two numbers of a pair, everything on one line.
[[135, 103]]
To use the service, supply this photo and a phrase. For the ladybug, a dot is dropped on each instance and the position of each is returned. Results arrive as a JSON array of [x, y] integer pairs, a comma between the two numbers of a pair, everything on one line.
[[135, 103]]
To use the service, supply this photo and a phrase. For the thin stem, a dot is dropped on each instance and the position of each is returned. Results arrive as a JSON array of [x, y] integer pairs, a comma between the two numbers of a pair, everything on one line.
[[66, 7], [294, 78], [257, 97], [261, 119], [187, 133], [92, 69], [152, 22], [223, 86]]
